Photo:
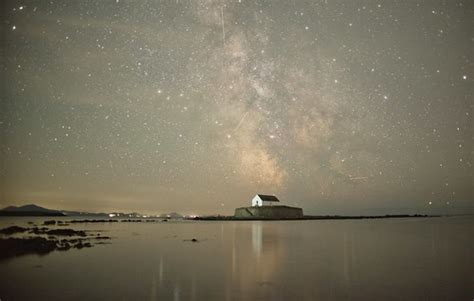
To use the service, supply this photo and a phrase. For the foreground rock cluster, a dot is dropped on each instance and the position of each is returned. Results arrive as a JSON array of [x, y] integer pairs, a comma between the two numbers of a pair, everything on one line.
[[43, 240]]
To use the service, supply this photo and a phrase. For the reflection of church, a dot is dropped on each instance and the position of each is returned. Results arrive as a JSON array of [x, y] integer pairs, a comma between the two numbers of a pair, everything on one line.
[[263, 208]]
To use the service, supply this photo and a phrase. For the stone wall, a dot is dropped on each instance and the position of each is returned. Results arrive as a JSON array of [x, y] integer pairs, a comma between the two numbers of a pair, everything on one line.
[[268, 212]]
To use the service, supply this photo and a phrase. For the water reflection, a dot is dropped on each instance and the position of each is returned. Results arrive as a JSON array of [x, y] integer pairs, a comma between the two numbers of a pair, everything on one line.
[[176, 292], [330, 260], [257, 239], [256, 266], [160, 273], [153, 288]]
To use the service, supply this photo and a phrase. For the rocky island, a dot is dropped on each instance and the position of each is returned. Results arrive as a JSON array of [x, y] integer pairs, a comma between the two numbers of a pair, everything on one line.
[[263, 209]]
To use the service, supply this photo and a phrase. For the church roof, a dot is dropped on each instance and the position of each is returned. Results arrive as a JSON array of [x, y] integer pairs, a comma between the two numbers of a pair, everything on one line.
[[268, 198]]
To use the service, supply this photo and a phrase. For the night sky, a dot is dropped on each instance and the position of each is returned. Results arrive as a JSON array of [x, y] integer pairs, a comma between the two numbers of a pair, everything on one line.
[[195, 106]]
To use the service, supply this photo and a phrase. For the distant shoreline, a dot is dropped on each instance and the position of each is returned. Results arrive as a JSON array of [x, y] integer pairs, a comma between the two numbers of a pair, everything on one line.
[[309, 217]]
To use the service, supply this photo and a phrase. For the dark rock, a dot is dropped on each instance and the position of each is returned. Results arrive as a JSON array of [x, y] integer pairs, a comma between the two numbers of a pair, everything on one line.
[[102, 237], [13, 230], [37, 230], [64, 247], [66, 232], [81, 245], [12, 247], [47, 223]]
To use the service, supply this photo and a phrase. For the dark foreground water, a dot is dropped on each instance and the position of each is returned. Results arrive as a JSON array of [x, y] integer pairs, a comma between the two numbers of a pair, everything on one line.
[[386, 259]]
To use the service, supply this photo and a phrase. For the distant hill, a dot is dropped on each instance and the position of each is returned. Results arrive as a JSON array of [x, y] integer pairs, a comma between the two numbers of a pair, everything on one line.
[[35, 210], [171, 215], [29, 210]]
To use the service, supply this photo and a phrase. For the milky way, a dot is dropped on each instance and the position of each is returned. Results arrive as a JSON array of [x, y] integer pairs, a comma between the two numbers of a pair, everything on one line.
[[195, 106]]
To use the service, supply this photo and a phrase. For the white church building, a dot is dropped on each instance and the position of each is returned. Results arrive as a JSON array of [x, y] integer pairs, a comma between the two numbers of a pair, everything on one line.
[[264, 208], [260, 200]]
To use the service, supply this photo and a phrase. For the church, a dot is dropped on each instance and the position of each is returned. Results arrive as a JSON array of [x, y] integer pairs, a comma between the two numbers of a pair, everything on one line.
[[264, 208]]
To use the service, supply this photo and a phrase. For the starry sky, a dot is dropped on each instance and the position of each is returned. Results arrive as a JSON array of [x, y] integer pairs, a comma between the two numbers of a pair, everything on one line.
[[336, 106]]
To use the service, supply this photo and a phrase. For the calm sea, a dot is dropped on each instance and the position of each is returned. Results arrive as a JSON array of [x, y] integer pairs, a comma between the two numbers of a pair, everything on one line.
[[385, 259]]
